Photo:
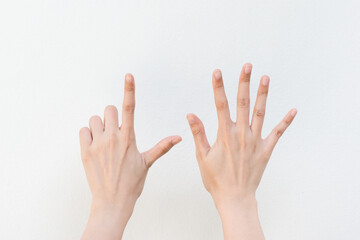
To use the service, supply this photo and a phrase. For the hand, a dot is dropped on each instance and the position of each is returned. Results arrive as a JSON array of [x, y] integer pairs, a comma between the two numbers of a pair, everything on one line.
[[115, 169], [232, 168]]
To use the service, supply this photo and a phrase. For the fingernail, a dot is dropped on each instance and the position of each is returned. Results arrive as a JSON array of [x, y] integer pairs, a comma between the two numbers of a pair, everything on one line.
[[248, 68], [176, 140], [128, 78], [265, 80], [293, 112], [218, 75]]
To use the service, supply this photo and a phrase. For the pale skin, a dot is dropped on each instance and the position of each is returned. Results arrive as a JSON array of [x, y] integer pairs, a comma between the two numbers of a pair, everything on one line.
[[115, 169], [231, 169]]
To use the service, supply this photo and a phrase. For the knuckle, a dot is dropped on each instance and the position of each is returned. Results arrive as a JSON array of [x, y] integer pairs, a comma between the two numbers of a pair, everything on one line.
[[221, 105], [148, 163], [164, 149], [129, 108], [218, 83], [85, 155], [243, 102], [196, 130], [263, 92], [198, 154], [130, 86], [127, 139], [113, 137], [245, 79], [287, 121], [259, 113], [97, 149], [278, 132]]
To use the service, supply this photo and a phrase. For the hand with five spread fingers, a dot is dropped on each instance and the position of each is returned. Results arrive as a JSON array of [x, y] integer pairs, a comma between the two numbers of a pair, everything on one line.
[[232, 167], [115, 169]]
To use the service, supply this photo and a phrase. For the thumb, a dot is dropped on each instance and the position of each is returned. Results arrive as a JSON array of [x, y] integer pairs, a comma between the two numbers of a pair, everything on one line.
[[160, 149]]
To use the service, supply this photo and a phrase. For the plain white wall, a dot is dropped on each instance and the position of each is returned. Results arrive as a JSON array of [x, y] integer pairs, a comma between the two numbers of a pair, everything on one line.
[[63, 61]]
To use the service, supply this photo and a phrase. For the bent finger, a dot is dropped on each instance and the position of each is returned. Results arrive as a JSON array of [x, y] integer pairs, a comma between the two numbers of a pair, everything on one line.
[[96, 126], [111, 119]]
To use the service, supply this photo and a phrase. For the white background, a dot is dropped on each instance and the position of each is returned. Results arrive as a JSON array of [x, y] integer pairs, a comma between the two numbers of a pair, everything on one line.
[[63, 61]]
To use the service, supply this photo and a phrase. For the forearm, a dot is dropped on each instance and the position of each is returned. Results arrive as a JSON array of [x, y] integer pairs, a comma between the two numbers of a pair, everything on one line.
[[107, 222], [240, 219]]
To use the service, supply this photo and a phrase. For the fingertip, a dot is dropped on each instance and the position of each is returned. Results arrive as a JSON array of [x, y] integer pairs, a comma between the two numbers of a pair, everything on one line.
[[110, 109], [176, 139], [129, 82], [217, 74], [247, 68], [83, 130], [95, 119], [265, 79], [189, 116], [129, 77], [293, 112]]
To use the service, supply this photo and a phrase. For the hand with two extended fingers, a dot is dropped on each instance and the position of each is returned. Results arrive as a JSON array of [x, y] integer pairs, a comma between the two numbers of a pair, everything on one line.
[[115, 169], [232, 167]]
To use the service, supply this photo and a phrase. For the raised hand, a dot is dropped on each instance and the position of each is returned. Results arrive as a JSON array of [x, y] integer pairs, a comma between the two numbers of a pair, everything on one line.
[[232, 167], [115, 169]]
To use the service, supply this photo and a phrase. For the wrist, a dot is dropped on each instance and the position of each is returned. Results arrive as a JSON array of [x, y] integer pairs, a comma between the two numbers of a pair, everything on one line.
[[236, 204], [107, 220], [116, 210], [239, 217]]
